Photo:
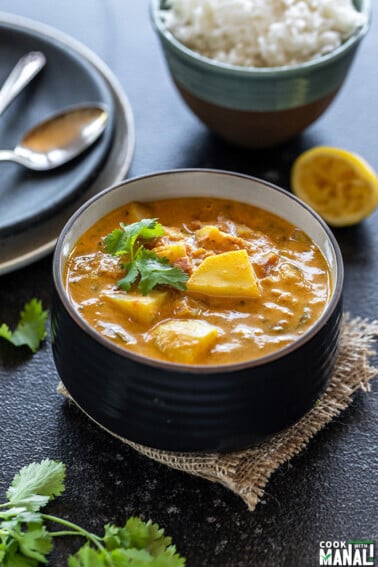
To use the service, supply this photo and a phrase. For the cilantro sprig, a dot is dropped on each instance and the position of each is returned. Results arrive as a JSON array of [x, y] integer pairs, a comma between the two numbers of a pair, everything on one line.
[[26, 541], [142, 265], [152, 271], [31, 328], [122, 241]]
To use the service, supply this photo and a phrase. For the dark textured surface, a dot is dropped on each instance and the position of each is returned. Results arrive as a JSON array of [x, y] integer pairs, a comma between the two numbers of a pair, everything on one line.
[[330, 490]]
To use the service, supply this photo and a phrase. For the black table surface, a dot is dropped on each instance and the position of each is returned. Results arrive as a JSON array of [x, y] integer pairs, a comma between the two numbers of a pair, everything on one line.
[[329, 491]]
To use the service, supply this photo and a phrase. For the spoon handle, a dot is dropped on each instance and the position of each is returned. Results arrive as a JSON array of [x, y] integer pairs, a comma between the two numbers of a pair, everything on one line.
[[8, 155], [24, 71]]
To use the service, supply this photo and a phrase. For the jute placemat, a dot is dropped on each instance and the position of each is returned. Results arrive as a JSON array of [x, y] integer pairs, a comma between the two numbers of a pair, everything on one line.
[[247, 472]]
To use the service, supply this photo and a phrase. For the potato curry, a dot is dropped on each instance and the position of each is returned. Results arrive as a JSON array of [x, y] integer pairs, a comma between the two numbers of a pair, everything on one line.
[[197, 280]]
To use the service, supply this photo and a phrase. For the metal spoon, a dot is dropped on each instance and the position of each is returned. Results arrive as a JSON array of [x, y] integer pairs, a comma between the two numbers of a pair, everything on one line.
[[60, 138], [23, 72]]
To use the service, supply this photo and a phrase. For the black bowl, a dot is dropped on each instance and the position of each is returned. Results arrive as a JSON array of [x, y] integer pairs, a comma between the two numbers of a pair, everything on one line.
[[179, 407]]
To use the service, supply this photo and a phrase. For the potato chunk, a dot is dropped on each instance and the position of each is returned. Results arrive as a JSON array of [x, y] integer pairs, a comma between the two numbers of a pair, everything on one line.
[[140, 308], [225, 275], [171, 251], [210, 232], [184, 340]]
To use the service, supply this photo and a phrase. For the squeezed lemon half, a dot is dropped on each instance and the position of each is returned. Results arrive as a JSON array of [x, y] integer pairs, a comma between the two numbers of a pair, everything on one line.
[[338, 184]]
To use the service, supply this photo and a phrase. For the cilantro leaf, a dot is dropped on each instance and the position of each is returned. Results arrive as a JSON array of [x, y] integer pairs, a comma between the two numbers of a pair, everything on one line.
[[133, 557], [147, 535], [21, 513], [31, 329], [24, 542], [136, 544], [139, 534], [5, 332], [86, 556], [13, 558], [34, 485], [115, 241], [122, 240], [36, 542], [31, 503], [152, 271], [132, 274]]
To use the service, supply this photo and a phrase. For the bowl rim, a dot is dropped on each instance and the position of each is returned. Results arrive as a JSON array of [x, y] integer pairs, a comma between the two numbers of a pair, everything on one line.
[[57, 265], [258, 72]]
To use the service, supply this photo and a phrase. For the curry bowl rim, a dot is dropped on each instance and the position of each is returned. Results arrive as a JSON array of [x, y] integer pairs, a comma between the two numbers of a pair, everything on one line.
[[58, 283], [258, 72]]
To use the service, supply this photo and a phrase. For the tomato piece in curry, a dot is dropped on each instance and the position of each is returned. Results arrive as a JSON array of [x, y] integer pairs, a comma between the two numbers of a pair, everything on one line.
[[255, 283]]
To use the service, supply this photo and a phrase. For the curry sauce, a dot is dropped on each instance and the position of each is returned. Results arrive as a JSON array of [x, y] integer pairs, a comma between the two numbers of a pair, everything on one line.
[[255, 283]]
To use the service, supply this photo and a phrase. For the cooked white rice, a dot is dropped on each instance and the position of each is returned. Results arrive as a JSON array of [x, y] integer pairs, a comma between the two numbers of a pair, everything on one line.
[[262, 33]]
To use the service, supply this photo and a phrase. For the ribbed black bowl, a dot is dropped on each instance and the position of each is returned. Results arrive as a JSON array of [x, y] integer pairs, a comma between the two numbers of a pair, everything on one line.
[[179, 407]]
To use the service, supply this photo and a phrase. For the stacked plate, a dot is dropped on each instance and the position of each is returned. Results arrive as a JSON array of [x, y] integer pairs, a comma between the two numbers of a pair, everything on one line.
[[34, 206]]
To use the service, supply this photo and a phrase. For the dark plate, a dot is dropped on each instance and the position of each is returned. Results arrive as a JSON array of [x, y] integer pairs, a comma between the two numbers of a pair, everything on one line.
[[28, 197]]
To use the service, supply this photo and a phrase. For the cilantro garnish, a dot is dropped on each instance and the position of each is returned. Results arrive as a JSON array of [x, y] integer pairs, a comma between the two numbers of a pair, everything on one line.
[[151, 271], [122, 241], [31, 328], [143, 265], [26, 541]]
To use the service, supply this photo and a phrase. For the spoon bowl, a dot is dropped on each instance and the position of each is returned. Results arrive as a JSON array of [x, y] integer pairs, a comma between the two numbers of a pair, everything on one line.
[[60, 138]]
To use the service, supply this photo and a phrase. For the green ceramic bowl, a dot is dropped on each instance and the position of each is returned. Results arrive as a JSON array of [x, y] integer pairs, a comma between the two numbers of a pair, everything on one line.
[[257, 107]]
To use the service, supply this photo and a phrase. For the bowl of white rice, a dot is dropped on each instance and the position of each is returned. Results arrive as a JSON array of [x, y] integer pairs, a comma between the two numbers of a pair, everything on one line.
[[258, 72]]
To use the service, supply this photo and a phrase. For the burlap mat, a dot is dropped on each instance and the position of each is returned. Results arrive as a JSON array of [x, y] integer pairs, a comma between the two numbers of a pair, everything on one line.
[[247, 472]]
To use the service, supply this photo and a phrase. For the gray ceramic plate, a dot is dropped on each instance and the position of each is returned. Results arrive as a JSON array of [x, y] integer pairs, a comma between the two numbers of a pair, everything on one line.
[[38, 239], [27, 197]]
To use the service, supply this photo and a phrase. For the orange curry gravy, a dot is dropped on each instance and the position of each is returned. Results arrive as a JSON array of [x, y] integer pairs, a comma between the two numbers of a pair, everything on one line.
[[292, 277]]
